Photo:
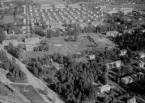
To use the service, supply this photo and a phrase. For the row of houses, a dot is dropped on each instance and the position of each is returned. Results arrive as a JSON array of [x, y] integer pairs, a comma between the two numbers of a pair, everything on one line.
[[60, 15]]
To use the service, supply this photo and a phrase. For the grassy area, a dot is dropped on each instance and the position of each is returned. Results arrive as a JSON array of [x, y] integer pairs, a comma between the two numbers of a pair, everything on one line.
[[8, 19], [48, 1], [135, 6], [59, 45], [30, 93]]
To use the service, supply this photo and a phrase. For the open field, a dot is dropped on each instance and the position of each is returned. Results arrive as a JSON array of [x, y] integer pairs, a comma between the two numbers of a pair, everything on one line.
[[8, 19], [59, 45], [30, 93], [48, 1], [135, 6]]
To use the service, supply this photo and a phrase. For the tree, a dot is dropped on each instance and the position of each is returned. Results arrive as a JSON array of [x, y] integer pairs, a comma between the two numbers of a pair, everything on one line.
[[2, 35]]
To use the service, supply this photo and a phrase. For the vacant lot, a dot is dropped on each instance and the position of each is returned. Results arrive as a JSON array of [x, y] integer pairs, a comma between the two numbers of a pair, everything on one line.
[[58, 44], [48, 1], [8, 19], [135, 6], [30, 93]]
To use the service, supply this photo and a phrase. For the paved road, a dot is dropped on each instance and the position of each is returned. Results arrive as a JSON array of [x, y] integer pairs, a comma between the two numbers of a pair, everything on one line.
[[35, 82]]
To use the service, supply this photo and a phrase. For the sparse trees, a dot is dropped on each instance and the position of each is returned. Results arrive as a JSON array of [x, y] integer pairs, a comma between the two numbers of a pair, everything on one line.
[[2, 35]]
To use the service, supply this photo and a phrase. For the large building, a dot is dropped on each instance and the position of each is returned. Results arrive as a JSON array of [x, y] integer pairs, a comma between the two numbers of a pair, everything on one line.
[[30, 43]]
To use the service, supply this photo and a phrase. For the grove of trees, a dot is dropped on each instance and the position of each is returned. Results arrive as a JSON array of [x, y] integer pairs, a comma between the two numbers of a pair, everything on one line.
[[74, 82], [14, 72], [134, 41]]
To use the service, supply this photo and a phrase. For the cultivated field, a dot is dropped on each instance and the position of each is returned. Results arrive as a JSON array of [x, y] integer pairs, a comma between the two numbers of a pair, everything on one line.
[[30, 93], [48, 1]]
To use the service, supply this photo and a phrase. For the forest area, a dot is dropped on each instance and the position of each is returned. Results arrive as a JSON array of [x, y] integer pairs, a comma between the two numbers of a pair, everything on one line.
[[14, 72], [134, 41], [74, 81]]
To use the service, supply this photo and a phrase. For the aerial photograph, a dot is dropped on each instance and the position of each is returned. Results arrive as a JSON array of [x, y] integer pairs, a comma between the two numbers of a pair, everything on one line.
[[72, 51]]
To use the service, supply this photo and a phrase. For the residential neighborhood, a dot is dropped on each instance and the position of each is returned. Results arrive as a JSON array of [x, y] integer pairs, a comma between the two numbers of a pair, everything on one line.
[[72, 51]]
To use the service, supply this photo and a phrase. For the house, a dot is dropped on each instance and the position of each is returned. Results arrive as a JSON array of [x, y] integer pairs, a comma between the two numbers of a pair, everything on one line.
[[92, 57], [126, 10], [104, 88], [30, 43], [115, 64], [141, 64], [142, 55], [6, 42], [123, 52], [60, 6], [132, 100], [143, 31], [127, 80], [112, 33]]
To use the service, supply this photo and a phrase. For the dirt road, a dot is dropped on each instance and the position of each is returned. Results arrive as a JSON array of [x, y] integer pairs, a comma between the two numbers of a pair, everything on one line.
[[32, 80]]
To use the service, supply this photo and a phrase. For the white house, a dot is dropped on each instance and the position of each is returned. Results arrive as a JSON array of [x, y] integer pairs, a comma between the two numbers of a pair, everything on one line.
[[132, 100], [92, 57], [123, 52], [142, 55], [126, 80], [112, 33], [30, 43], [115, 64], [141, 64], [105, 88]]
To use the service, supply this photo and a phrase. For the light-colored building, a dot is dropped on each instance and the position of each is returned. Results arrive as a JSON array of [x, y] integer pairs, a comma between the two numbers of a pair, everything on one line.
[[92, 57], [126, 80], [30, 43], [141, 64], [132, 100], [105, 88], [115, 64], [6, 42], [126, 10], [123, 52], [142, 55], [60, 6], [113, 33]]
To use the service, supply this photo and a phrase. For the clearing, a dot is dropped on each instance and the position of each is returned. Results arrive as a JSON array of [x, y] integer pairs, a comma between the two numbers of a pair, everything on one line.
[[87, 41], [48, 1], [8, 19], [30, 93], [84, 42]]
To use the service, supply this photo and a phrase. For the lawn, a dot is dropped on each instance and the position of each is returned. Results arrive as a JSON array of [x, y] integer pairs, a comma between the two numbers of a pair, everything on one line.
[[48, 1], [8, 19], [58, 44], [30, 93], [135, 6]]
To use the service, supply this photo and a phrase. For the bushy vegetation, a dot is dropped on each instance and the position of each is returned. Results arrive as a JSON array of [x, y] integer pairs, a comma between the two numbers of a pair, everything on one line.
[[74, 81], [14, 51], [134, 41], [14, 72]]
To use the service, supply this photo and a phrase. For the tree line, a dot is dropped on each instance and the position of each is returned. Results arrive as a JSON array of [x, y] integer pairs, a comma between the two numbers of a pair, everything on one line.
[[14, 72]]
